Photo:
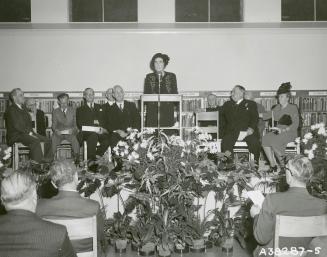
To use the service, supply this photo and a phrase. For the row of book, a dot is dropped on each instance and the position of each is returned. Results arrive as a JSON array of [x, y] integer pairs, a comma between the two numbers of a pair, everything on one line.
[[308, 104], [188, 120], [3, 105], [3, 134], [311, 118], [192, 105]]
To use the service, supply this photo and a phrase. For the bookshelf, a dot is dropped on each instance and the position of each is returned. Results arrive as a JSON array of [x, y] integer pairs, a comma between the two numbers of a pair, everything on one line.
[[312, 105]]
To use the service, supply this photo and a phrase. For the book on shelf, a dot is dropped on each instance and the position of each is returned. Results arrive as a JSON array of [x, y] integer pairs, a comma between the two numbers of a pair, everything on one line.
[[3, 105], [191, 105], [308, 104], [3, 134], [188, 119]]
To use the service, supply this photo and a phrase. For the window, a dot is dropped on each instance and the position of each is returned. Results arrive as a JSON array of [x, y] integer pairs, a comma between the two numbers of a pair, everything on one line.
[[304, 10], [15, 10], [209, 10], [103, 10]]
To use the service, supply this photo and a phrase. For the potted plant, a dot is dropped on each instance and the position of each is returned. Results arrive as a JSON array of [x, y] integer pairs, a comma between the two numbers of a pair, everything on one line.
[[118, 229]]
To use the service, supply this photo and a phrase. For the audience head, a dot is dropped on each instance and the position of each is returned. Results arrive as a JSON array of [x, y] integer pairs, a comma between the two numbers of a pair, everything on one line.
[[159, 62], [64, 174], [298, 171], [110, 94], [238, 93], [284, 93], [18, 191], [30, 104], [118, 93], [88, 95], [17, 96], [63, 100], [212, 100]]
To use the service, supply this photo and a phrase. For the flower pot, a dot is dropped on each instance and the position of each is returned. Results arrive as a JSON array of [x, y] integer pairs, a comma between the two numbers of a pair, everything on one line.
[[163, 252], [135, 247], [120, 245], [208, 244], [180, 248], [147, 250], [198, 246], [227, 246]]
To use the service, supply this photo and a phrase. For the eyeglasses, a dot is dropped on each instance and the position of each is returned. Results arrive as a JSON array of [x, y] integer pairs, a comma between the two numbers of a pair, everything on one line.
[[286, 168]]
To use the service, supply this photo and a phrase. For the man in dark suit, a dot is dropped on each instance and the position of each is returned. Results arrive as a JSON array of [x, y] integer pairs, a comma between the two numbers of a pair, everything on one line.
[[68, 204], [64, 125], [296, 201], [240, 115], [19, 127], [22, 232], [124, 115], [91, 114]]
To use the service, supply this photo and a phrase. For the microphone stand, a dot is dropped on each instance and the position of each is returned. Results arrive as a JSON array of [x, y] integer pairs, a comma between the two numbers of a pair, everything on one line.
[[158, 115]]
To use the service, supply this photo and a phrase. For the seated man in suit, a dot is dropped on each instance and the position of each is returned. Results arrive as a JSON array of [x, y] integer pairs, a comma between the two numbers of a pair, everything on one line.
[[37, 116], [296, 201], [64, 125], [240, 115], [124, 115], [20, 130], [91, 114], [68, 204], [22, 232]]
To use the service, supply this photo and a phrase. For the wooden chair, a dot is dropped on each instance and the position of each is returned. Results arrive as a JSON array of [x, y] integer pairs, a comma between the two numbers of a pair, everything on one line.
[[292, 226], [81, 229], [64, 150], [242, 147], [208, 117], [18, 150]]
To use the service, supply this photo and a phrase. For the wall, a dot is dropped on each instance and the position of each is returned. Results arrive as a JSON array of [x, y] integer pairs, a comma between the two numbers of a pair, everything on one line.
[[217, 59]]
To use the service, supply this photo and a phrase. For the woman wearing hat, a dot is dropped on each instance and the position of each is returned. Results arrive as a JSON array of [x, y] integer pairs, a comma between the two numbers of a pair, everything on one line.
[[160, 82], [287, 117]]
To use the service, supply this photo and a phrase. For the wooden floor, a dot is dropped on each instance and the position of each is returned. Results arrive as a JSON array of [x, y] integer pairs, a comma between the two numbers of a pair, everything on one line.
[[213, 252]]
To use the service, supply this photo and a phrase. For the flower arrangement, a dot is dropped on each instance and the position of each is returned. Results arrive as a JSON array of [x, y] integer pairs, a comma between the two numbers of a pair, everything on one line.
[[314, 145], [5, 154]]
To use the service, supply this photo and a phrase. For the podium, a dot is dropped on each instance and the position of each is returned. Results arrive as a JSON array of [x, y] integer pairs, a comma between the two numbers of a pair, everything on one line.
[[164, 98]]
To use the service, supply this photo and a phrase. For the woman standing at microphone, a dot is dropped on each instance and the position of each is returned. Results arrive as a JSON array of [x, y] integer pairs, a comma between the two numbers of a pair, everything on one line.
[[160, 82]]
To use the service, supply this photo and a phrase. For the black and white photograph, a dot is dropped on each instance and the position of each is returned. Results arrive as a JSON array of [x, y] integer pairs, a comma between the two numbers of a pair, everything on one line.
[[163, 128]]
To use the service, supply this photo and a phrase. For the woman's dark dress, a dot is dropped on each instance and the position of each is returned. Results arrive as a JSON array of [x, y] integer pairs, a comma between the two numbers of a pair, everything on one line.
[[168, 85]]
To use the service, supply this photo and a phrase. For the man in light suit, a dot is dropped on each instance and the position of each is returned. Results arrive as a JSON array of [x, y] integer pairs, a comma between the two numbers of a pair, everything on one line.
[[64, 125], [68, 204], [296, 201], [22, 233]]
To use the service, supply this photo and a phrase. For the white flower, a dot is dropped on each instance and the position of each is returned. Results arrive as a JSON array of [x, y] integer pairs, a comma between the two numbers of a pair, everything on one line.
[[1, 164], [136, 146], [150, 156], [126, 151], [314, 147], [297, 140], [305, 141], [183, 164], [308, 135], [144, 144], [8, 150], [309, 153], [6, 157], [121, 143], [322, 131]]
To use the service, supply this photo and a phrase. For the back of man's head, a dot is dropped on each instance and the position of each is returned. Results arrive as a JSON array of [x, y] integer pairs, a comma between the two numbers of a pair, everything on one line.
[[64, 174], [18, 191]]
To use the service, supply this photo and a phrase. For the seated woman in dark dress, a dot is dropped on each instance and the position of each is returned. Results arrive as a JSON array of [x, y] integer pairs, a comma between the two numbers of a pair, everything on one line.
[[168, 85], [287, 116]]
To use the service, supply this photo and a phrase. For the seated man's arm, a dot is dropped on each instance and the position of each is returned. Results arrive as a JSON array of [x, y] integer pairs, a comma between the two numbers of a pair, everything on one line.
[[15, 122], [264, 223]]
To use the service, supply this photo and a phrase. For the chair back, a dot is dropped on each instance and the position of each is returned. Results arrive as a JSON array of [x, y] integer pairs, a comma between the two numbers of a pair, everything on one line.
[[81, 229], [293, 226], [209, 117]]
